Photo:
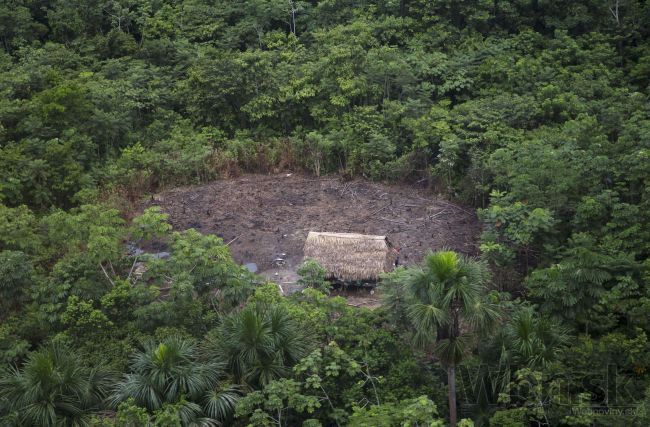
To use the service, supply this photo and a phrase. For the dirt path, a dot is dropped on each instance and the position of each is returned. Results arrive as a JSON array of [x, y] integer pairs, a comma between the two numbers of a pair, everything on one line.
[[266, 218]]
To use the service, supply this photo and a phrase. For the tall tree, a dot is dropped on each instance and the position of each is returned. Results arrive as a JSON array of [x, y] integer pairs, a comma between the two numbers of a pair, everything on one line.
[[445, 301]]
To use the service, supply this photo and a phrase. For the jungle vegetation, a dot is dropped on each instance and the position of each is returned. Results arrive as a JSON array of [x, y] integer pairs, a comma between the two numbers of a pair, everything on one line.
[[536, 113]]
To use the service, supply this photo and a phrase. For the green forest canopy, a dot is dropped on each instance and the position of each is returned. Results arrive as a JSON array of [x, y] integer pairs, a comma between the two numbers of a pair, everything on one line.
[[534, 112]]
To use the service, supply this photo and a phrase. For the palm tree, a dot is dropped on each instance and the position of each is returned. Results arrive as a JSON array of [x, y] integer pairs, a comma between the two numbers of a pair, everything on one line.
[[524, 340], [260, 343], [53, 388], [528, 339], [171, 372], [444, 301]]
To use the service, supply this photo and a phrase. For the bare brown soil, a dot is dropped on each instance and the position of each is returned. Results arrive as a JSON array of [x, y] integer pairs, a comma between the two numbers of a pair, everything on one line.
[[265, 219]]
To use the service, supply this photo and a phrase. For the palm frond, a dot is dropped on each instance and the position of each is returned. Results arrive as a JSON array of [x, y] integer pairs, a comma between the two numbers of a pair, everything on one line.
[[220, 403], [53, 387], [443, 265], [261, 342], [426, 318], [165, 372], [452, 350]]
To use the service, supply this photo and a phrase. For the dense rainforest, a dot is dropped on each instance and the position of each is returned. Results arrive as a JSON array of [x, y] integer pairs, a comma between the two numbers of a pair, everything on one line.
[[535, 113]]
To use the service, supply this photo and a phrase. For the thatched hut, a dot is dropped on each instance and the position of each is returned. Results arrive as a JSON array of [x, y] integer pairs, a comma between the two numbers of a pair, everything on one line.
[[351, 257]]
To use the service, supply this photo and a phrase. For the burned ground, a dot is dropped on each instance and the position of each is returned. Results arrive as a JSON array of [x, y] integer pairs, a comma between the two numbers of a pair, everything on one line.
[[267, 218]]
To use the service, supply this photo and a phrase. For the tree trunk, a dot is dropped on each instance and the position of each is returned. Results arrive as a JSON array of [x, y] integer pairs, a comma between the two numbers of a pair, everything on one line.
[[403, 8], [451, 384]]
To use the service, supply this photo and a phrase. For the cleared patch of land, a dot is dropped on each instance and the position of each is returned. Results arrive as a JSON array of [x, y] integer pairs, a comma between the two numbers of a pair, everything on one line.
[[266, 219]]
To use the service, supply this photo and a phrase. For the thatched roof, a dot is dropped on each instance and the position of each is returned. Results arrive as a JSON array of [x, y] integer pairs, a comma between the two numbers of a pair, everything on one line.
[[350, 256]]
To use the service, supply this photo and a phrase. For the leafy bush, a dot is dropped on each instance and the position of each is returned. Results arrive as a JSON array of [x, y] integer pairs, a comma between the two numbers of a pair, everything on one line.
[[313, 275]]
